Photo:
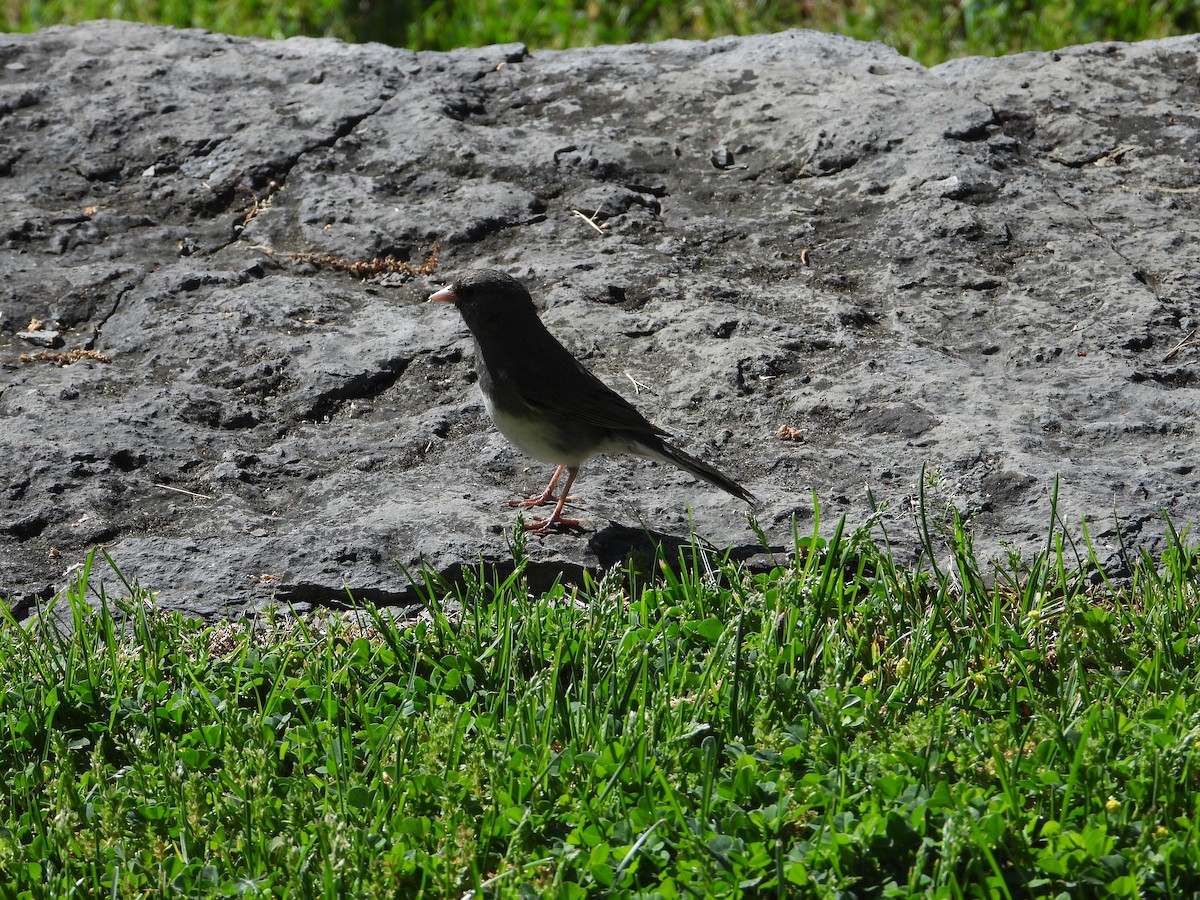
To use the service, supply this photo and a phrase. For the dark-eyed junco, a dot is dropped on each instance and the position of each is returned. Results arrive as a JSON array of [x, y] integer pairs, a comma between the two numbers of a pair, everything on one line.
[[544, 401]]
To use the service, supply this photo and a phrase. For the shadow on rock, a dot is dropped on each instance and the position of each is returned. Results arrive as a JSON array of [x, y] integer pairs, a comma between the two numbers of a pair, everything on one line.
[[643, 550]]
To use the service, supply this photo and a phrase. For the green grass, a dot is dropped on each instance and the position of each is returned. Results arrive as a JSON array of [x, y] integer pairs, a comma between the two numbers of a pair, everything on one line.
[[928, 30], [839, 726]]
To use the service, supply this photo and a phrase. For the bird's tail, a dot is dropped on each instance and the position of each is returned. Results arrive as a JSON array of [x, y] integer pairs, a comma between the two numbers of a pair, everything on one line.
[[700, 469]]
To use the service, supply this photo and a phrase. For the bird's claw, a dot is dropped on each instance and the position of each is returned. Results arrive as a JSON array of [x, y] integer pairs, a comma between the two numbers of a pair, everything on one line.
[[542, 525], [539, 500]]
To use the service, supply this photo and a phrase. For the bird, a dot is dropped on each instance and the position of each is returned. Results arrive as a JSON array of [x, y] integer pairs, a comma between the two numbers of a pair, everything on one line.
[[545, 402]]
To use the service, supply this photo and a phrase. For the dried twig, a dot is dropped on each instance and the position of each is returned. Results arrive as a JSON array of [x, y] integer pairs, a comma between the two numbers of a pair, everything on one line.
[[1187, 340], [637, 385], [591, 220], [260, 203], [179, 490]]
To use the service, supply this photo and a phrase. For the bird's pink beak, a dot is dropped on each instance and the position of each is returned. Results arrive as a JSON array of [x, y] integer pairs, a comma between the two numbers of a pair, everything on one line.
[[445, 295]]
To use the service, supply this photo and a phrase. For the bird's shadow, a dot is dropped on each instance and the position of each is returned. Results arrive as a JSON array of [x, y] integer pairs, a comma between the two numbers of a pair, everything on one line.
[[644, 550], [639, 551]]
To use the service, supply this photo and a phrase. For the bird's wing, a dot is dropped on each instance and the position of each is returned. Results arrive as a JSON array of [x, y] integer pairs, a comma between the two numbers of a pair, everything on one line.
[[566, 389]]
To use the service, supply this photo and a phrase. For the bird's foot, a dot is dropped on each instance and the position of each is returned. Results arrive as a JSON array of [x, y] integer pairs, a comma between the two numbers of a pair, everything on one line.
[[543, 524], [552, 521], [547, 496], [539, 500]]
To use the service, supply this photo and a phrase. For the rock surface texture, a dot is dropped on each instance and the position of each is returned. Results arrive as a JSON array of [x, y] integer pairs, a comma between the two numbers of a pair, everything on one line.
[[984, 269]]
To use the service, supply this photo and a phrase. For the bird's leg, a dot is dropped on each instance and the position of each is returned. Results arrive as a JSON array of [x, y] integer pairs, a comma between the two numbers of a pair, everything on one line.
[[545, 496], [541, 526]]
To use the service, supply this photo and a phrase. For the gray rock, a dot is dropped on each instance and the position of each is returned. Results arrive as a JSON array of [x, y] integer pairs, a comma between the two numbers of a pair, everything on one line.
[[41, 338], [977, 270]]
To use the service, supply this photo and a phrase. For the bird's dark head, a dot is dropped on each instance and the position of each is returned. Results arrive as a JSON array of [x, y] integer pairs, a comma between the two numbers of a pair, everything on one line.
[[485, 296]]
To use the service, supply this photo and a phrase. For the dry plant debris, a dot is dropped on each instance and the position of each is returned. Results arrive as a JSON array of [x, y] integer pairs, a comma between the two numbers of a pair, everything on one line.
[[789, 433], [65, 357], [378, 266]]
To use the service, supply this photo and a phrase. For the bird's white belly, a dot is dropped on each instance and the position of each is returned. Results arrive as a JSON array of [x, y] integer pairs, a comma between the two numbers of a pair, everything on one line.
[[540, 441]]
